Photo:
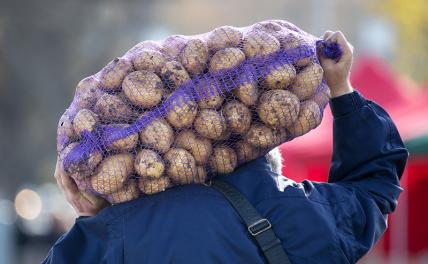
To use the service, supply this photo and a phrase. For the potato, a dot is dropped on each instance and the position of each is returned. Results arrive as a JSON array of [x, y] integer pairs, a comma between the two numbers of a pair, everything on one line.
[[182, 113], [85, 120], [259, 43], [224, 37], [246, 152], [286, 25], [84, 168], [237, 116], [223, 160], [293, 40], [87, 93], [127, 193], [308, 119], [280, 77], [307, 81], [210, 123], [112, 173], [110, 108], [322, 97], [143, 88], [210, 97], [152, 186], [224, 136], [180, 165], [149, 164], [199, 147], [158, 135], [247, 93], [261, 136], [65, 132], [174, 74], [149, 60], [201, 174], [194, 56], [278, 108], [127, 143], [144, 45], [150, 44], [226, 59], [173, 45], [270, 27], [112, 75]]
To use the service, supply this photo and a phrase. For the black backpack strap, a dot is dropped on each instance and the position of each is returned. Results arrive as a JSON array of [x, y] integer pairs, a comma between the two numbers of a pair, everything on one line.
[[260, 228]]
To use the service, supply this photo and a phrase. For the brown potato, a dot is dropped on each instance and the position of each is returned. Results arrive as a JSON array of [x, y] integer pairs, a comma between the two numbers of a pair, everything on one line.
[[199, 147], [224, 37], [246, 152], [293, 40], [247, 93], [269, 26], [308, 119], [223, 160], [180, 165], [127, 193], [112, 75], [174, 74], [259, 43], [237, 116], [149, 164], [286, 25], [132, 53], [182, 113], [65, 132], [85, 120], [173, 45], [110, 108], [307, 81], [157, 135], [152, 186], [322, 97], [201, 174], [84, 168], [87, 93], [210, 123], [149, 60], [185, 139], [143, 88], [224, 136], [280, 77], [112, 173], [194, 56], [261, 136], [226, 59], [211, 98], [278, 108], [127, 143]]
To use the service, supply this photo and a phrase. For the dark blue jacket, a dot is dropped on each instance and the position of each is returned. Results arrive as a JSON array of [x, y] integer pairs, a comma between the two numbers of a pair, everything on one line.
[[335, 222]]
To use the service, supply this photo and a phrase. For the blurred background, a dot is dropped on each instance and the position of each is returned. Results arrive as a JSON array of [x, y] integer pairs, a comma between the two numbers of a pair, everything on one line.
[[47, 46]]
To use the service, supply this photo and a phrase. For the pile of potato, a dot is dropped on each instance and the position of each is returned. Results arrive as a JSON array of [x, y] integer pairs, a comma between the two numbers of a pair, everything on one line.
[[194, 139]]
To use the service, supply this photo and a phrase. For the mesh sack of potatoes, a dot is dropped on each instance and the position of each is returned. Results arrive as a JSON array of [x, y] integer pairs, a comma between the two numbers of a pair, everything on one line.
[[188, 108]]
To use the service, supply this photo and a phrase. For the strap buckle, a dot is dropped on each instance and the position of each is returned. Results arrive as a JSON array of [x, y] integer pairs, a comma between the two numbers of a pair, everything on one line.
[[259, 226]]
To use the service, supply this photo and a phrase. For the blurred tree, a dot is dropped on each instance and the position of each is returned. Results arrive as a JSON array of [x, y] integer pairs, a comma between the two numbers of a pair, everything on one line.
[[412, 23]]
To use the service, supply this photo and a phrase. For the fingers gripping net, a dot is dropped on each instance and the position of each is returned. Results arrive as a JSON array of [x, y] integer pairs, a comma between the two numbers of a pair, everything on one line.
[[188, 108]]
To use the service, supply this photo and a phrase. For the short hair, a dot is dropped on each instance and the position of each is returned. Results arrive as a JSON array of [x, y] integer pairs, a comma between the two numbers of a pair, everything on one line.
[[275, 160]]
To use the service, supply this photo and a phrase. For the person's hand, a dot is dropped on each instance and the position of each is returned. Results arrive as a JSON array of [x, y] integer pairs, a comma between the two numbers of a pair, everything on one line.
[[336, 73], [84, 204]]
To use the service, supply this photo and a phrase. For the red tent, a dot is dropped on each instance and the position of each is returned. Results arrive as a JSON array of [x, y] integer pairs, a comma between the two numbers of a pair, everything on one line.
[[309, 157]]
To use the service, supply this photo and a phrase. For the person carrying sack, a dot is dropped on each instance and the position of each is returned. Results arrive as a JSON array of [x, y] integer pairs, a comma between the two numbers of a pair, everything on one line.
[[256, 215]]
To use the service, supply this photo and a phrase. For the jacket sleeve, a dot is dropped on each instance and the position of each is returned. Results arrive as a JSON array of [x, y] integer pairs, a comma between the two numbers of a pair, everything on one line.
[[364, 180]]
